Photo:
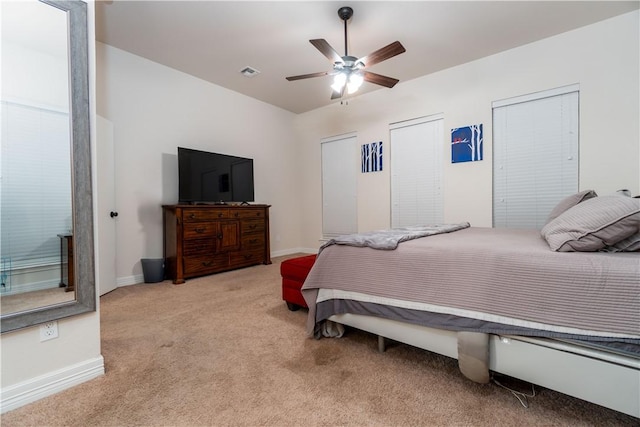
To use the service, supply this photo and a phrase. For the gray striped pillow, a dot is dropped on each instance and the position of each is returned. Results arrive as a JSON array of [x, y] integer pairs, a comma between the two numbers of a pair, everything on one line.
[[569, 202], [593, 224], [630, 244]]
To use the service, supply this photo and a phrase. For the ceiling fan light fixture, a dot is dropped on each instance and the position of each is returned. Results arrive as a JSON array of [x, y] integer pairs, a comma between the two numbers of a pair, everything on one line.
[[339, 81], [355, 81]]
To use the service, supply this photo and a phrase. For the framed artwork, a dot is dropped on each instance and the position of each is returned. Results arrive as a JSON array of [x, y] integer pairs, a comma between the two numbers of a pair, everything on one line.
[[466, 144], [371, 157]]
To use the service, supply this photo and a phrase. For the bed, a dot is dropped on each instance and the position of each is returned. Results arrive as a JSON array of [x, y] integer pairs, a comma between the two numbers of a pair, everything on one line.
[[517, 302]]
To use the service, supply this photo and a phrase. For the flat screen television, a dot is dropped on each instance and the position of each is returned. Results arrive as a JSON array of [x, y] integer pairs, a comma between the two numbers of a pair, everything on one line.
[[205, 177]]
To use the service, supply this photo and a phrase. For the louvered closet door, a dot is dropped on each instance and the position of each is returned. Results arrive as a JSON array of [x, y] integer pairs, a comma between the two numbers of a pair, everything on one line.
[[535, 162], [416, 172]]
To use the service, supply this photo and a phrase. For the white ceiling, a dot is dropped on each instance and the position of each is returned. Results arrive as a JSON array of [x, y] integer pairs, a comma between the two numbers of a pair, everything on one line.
[[214, 40]]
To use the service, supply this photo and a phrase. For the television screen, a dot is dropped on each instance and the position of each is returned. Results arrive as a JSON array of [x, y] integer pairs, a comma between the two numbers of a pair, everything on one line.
[[205, 177]]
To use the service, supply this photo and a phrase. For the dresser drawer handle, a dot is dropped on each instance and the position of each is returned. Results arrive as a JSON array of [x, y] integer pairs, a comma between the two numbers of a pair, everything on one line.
[[192, 216], [252, 226], [207, 263], [236, 214], [253, 241], [219, 214], [248, 256], [201, 230]]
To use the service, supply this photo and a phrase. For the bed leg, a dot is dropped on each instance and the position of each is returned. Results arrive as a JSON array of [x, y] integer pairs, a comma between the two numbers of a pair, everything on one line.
[[381, 345]]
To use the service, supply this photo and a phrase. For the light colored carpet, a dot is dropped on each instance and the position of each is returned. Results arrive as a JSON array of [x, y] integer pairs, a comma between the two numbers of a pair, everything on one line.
[[224, 350]]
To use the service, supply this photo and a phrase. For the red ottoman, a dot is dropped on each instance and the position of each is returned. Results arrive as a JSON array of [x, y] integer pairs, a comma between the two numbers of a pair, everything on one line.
[[294, 271]]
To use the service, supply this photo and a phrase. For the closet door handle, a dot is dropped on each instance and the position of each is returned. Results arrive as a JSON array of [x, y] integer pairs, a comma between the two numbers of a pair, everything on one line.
[[113, 214]]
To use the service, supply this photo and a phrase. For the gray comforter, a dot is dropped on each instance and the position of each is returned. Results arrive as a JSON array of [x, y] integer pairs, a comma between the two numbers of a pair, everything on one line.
[[501, 276]]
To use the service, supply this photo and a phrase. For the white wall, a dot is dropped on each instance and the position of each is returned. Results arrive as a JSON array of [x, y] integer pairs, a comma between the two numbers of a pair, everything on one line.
[[602, 58], [31, 369], [155, 109]]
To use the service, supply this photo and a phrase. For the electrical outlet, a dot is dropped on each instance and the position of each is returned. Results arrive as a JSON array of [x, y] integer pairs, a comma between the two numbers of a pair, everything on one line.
[[48, 331]]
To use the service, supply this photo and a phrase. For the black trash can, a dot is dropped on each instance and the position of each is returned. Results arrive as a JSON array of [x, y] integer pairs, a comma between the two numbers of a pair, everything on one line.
[[153, 270]]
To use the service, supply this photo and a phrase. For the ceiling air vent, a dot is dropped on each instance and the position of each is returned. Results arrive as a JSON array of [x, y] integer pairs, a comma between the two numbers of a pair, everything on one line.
[[249, 71]]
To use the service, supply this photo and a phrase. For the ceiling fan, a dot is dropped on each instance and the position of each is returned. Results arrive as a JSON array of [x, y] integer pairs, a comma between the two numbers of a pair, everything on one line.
[[348, 71]]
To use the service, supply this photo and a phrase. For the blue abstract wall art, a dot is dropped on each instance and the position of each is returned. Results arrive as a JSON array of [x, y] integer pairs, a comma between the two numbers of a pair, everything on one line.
[[371, 157], [466, 144]]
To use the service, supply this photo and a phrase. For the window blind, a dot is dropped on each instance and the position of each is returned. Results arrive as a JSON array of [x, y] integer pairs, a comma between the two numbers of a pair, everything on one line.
[[416, 172], [535, 156], [339, 185], [35, 188]]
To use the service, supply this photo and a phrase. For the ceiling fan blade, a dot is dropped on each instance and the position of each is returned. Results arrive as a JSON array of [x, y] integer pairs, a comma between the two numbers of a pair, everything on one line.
[[379, 79], [307, 76], [381, 54], [326, 49]]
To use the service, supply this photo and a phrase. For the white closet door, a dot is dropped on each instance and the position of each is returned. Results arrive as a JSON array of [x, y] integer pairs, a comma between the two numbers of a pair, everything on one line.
[[106, 254], [535, 163], [339, 168], [416, 172]]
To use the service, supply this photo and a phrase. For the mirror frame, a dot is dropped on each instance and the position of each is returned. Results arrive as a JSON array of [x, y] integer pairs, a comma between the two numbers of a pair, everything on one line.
[[82, 198]]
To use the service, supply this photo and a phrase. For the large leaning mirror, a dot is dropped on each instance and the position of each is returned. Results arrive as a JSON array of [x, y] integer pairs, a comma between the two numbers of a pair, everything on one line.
[[46, 218]]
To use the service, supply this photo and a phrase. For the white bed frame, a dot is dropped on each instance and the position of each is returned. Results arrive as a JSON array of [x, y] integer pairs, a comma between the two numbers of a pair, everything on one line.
[[606, 379]]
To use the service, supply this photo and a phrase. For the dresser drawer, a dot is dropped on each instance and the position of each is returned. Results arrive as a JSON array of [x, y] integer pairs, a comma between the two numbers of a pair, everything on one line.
[[250, 242], [206, 247], [246, 213], [249, 226], [237, 259], [194, 215], [200, 230], [196, 265]]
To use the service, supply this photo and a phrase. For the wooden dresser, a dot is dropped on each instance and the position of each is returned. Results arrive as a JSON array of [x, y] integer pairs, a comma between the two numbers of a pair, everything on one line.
[[206, 239]]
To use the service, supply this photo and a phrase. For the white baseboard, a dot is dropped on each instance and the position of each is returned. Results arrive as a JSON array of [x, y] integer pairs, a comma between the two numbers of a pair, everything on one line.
[[29, 391], [294, 251], [130, 280]]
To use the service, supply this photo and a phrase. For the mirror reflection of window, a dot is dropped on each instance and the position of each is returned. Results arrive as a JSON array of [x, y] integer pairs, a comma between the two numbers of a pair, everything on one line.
[[35, 166]]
